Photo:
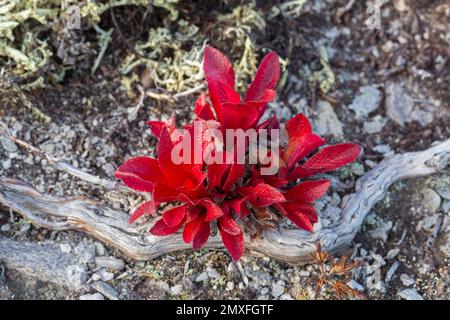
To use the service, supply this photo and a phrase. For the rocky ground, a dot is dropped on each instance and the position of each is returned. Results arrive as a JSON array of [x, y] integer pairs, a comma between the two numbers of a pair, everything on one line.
[[390, 94]]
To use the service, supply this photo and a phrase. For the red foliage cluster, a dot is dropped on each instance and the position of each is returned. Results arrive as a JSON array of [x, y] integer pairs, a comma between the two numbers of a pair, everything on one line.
[[204, 195]]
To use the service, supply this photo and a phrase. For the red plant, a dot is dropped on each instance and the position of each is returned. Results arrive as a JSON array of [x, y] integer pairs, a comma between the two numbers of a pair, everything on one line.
[[203, 195]]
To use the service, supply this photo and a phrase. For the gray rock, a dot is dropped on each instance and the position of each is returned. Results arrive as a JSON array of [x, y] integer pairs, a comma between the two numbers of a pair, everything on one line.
[[355, 285], [286, 296], [99, 249], [431, 200], [399, 104], [409, 294], [375, 125], [326, 122], [176, 289], [5, 228], [366, 102], [393, 253], [105, 275], [382, 230], [382, 148], [8, 145], [85, 252], [444, 192], [6, 164], [406, 280], [212, 273], [391, 272], [93, 296], [201, 277], [106, 290], [24, 228], [264, 291], [277, 289], [65, 247], [109, 263]]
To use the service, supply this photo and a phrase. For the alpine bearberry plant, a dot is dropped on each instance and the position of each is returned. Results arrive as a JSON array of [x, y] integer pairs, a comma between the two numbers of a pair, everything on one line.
[[226, 194]]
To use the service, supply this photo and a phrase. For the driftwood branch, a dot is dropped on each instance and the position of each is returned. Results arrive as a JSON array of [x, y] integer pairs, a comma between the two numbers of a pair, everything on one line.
[[289, 245]]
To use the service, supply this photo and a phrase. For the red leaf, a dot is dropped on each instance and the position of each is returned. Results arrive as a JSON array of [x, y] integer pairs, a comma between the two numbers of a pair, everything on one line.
[[213, 211], [300, 220], [267, 195], [191, 228], [217, 67], [140, 173], [301, 140], [327, 159], [145, 208], [239, 206], [308, 191], [234, 243], [306, 209], [201, 236], [215, 174], [173, 217], [161, 229], [203, 109], [156, 126], [239, 116], [229, 225], [236, 171], [266, 77]]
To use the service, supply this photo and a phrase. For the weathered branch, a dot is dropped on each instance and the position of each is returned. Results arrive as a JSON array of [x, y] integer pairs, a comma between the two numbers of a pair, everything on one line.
[[289, 245]]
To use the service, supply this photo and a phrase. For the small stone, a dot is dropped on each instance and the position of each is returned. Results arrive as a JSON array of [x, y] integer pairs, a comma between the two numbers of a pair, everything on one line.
[[277, 289], [375, 125], [106, 290], [264, 291], [8, 145], [212, 273], [24, 228], [176, 289], [444, 192], [409, 294], [355, 285], [382, 230], [399, 104], [393, 253], [99, 249], [105, 275], [431, 200], [230, 285], [382, 148], [6, 164], [65, 247], [367, 101], [5, 228], [304, 273], [201, 277], [93, 296], [96, 277], [109, 263], [326, 122], [406, 280], [286, 296], [391, 272]]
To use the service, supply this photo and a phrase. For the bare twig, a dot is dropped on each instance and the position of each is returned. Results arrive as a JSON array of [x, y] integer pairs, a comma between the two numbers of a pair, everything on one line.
[[174, 97], [288, 245]]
